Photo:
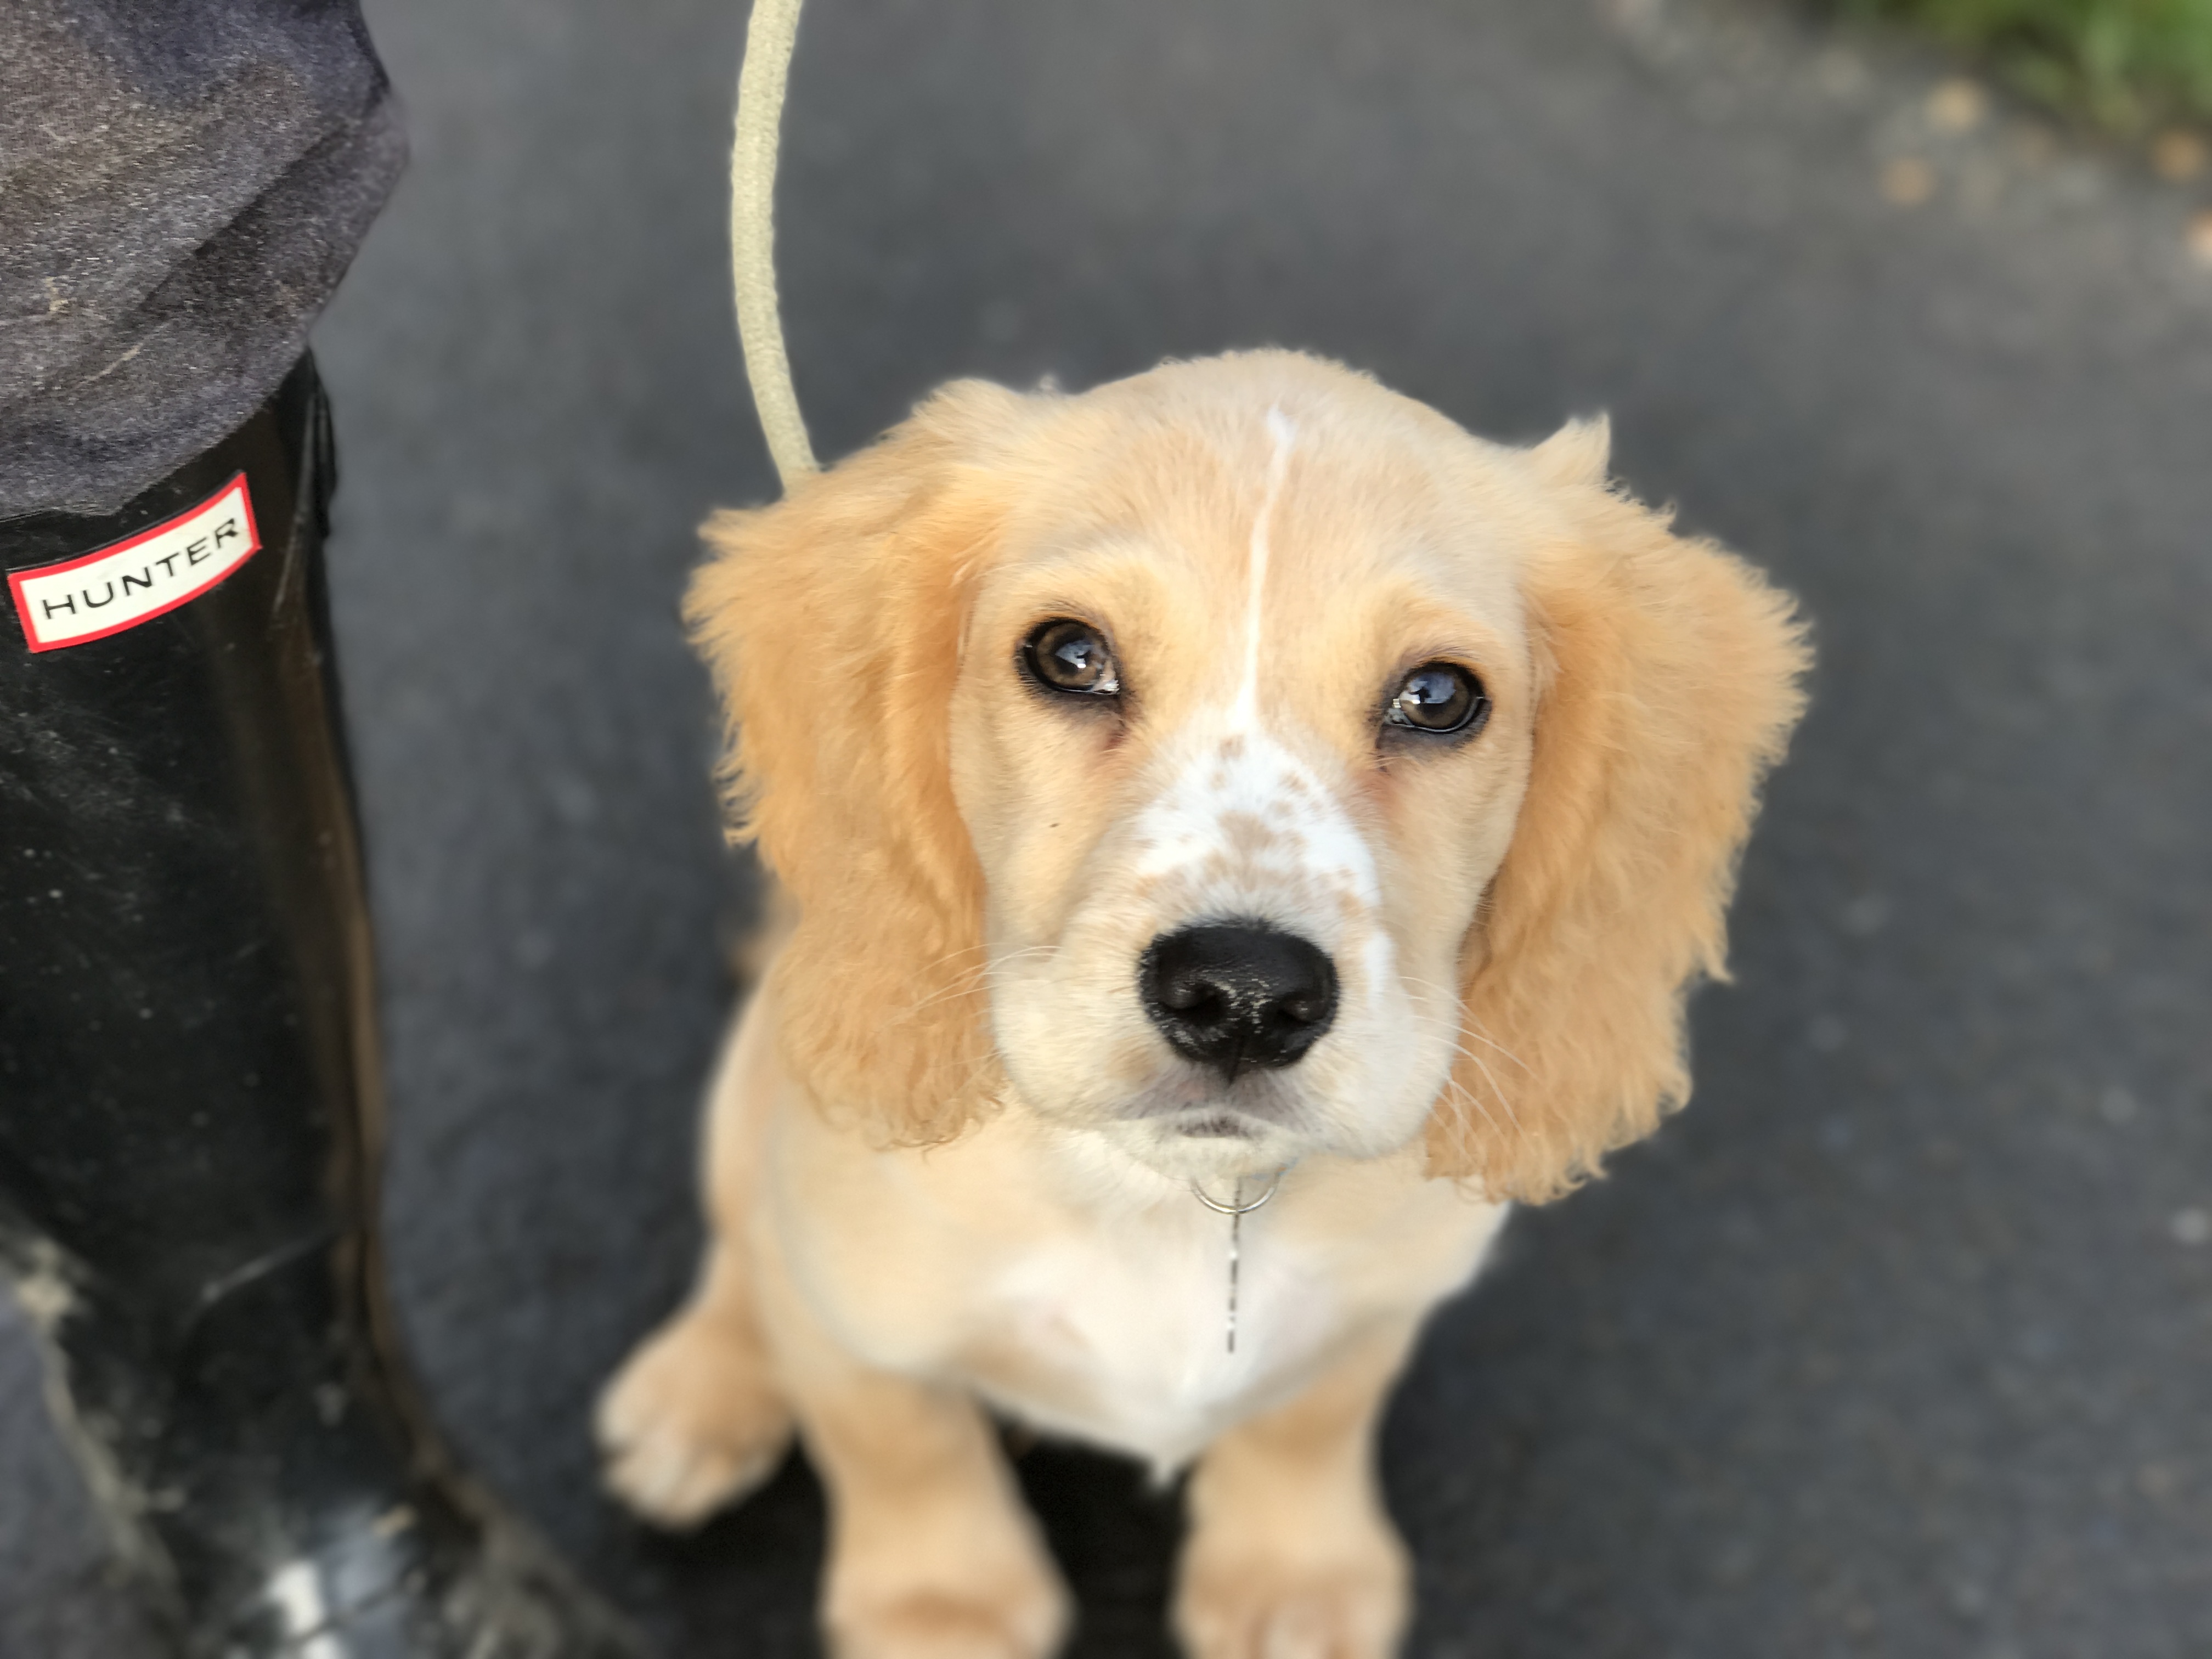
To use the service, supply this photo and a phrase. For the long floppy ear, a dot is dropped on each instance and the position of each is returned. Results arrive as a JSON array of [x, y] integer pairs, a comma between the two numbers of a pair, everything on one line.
[[831, 621], [1669, 682]]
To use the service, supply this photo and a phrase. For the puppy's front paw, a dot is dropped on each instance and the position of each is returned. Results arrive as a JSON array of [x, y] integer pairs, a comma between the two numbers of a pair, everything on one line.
[[692, 1423], [997, 1604], [1245, 1604], [925, 1626]]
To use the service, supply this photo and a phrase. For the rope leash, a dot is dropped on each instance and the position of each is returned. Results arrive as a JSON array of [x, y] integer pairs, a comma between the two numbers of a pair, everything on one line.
[[769, 37]]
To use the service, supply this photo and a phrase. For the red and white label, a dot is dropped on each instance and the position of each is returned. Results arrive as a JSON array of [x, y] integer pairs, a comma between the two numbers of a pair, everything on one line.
[[137, 580]]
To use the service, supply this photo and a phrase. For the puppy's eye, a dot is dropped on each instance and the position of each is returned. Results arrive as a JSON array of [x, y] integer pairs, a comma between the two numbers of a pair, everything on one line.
[[1440, 698], [1065, 655]]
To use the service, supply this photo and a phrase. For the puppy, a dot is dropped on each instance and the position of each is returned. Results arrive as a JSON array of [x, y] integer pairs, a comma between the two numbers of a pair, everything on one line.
[[1235, 782]]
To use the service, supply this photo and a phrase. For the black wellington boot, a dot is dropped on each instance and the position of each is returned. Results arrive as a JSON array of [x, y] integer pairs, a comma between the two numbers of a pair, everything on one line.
[[189, 1114]]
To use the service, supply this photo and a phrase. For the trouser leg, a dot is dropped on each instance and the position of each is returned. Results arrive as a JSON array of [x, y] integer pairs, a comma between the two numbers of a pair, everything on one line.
[[189, 1111]]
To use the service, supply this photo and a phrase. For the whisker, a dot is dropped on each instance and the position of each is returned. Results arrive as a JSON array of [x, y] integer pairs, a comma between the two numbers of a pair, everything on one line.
[[970, 981], [1468, 1023], [1474, 1100], [1490, 1077], [954, 956], [1505, 1101], [966, 986], [1472, 1027]]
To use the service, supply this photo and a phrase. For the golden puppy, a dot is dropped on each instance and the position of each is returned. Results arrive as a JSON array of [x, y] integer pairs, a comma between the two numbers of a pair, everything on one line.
[[1235, 781]]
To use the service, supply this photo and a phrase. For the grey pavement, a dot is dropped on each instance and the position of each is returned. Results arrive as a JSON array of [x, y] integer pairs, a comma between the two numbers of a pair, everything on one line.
[[1899, 1341]]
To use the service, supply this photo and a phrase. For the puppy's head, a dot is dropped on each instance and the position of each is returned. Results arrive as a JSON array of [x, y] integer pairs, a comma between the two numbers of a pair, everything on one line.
[[1242, 761]]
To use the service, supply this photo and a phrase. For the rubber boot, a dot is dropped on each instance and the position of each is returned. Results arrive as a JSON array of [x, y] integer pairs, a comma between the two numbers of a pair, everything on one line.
[[189, 1111]]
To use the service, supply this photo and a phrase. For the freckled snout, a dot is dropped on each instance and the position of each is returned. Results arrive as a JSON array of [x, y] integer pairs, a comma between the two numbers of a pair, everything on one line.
[[1233, 996]]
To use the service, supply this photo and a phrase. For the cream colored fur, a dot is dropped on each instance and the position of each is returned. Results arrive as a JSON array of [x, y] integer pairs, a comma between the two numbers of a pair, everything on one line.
[[948, 1158]]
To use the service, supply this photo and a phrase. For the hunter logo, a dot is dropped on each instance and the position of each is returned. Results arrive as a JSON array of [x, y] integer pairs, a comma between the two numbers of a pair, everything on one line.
[[136, 580]]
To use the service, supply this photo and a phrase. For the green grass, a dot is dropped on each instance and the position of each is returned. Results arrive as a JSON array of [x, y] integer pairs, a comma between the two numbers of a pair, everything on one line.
[[2128, 65]]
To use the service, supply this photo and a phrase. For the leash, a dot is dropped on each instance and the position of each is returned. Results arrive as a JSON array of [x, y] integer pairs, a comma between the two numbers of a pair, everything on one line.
[[769, 37]]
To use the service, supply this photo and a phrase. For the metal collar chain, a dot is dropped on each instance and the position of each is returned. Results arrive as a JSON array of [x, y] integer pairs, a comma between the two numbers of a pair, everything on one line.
[[1237, 1209]]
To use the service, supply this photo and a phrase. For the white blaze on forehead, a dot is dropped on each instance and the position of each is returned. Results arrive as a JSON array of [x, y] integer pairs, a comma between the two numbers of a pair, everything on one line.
[[1282, 435], [1235, 770], [1250, 774]]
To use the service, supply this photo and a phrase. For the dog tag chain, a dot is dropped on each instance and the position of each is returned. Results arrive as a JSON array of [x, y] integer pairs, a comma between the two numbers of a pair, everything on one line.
[[1236, 1209]]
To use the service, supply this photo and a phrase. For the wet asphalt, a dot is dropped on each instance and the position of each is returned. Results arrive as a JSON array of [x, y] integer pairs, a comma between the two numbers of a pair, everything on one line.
[[1899, 1341]]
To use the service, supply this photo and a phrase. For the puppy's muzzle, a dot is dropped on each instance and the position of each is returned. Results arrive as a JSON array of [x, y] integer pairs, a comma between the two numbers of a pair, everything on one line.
[[1238, 996]]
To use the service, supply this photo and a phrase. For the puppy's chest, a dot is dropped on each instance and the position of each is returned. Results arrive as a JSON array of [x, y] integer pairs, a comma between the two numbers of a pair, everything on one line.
[[1122, 1336]]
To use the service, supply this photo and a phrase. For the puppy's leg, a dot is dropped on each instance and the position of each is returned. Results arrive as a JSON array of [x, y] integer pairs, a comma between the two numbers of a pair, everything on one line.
[[696, 1419], [1290, 1555], [931, 1555]]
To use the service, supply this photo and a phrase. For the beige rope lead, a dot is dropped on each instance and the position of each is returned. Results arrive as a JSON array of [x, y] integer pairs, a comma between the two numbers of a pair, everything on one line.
[[770, 38]]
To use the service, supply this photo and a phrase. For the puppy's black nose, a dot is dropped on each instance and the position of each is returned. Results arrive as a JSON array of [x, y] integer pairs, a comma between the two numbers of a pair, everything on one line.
[[1236, 995]]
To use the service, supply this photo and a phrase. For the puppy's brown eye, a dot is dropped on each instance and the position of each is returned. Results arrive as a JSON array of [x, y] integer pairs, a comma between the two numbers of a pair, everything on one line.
[[1440, 698], [1074, 657]]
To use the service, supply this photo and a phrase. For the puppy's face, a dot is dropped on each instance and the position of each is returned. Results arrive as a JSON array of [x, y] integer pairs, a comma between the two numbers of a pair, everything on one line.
[[1245, 762], [1242, 727]]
